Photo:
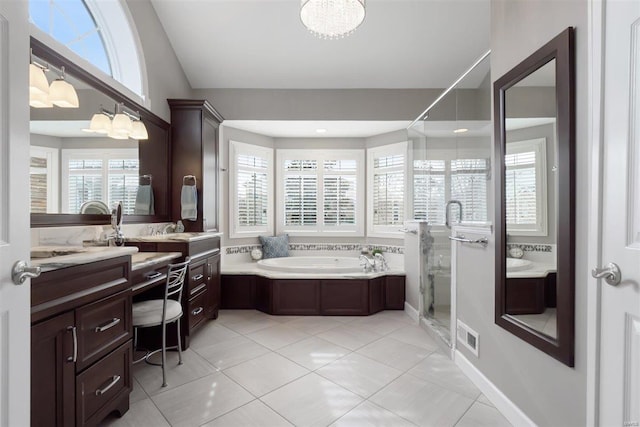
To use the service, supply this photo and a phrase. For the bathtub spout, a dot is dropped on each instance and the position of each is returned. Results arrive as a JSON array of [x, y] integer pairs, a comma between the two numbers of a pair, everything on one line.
[[368, 264], [380, 263]]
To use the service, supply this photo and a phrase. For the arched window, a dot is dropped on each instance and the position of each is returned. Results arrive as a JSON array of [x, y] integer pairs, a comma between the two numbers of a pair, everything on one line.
[[98, 31]]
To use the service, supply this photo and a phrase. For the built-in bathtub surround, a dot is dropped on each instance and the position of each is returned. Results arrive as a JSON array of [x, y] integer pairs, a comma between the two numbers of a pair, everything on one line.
[[540, 253], [531, 247]]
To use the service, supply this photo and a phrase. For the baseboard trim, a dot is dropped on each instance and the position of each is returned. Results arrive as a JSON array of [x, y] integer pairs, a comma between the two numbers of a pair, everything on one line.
[[509, 409], [411, 312]]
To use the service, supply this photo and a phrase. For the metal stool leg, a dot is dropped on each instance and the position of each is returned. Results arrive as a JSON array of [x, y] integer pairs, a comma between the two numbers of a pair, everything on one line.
[[164, 353], [179, 342]]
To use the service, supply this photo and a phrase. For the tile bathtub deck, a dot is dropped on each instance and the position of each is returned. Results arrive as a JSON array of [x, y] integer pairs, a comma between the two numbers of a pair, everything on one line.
[[251, 369]]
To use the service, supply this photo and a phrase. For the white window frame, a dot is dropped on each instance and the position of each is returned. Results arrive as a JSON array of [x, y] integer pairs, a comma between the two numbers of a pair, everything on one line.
[[98, 153], [53, 174], [539, 146], [448, 156], [236, 231], [320, 155], [403, 148]]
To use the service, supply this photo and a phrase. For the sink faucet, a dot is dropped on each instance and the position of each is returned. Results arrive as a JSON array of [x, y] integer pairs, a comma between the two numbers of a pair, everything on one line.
[[368, 263], [117, 236], [380, 262]]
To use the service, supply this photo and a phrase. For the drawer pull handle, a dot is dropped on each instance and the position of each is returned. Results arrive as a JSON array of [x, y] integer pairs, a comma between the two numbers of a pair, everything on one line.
[[198, 289], [197, 277], [114, 380], [109, 325], [197, 311], [74, 332]]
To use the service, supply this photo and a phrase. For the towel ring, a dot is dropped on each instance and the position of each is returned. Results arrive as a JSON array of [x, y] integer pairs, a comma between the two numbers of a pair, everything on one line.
[[189, 180]]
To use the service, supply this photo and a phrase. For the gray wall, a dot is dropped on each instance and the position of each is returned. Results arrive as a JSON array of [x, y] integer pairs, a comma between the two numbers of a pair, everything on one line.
[[165, 77], [550, 393]]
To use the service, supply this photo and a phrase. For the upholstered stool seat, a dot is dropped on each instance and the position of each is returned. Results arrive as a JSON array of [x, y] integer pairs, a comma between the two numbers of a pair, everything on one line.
[[149, 313]]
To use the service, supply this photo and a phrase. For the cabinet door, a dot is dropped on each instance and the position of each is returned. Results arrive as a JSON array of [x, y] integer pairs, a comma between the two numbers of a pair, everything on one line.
[[344, 297], [53, 372], [213, 280], [210, 175]]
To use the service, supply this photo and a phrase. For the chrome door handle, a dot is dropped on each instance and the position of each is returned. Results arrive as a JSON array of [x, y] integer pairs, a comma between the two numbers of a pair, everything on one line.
[[74, 333], [108, 325], [611, 274], [21, 272], [114, 380]]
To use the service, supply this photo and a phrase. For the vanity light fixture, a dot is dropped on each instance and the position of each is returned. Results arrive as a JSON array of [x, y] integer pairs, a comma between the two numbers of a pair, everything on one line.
[[120, 124], [61, 93], [332, 19]]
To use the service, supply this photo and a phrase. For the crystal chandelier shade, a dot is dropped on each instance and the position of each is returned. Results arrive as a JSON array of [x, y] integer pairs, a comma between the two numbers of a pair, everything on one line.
[[332, 19]]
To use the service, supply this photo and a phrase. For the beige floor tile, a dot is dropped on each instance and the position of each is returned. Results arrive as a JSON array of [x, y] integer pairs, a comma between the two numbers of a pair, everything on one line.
[[368, 414], [265, 373], [138, 393], [379, 324], [421, 402], [200, 401], [359, 374], [247, 326], [414, 335], [394, 353], [480, 415], [231, 316], [278, 336], [313, 325], [399, 315], [485, 400], [311, 401], [349, 336], [140, 414], [193, 367], [212, 332], [313, 352], [440, 370], [253, 414], [231, 352]]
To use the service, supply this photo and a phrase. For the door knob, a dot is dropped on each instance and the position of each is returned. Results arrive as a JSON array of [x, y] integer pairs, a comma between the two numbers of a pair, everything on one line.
[[611, 274], [21, 271]]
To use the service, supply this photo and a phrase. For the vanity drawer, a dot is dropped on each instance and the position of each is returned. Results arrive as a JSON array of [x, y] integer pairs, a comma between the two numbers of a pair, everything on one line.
[[101, 327], [101, 386], [197, 312], [197, 278]]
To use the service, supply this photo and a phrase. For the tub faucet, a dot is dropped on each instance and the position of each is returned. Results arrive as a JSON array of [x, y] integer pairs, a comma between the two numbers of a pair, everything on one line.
[[368, 264], [380, 263]]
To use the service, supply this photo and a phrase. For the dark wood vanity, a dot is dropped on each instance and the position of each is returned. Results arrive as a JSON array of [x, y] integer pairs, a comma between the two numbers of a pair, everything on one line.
[[341, 297]]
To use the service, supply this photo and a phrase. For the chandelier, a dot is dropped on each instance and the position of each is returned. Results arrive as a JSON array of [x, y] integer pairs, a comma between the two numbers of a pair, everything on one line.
[[332, 19]]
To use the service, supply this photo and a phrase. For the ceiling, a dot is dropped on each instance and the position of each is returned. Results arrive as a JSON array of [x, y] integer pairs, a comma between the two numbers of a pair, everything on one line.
[[263, 44], [309, 129]]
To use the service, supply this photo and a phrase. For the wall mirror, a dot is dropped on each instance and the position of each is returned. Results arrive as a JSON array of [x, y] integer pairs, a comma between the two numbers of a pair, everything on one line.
[[535, 150], [76, 177]]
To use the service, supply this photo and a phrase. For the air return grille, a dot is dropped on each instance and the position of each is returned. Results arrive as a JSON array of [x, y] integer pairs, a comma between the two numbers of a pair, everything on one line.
[[468, 337]]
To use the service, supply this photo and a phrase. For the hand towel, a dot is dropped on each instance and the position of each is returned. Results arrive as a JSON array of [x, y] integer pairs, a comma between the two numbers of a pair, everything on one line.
[[189, 202], [144, 201]]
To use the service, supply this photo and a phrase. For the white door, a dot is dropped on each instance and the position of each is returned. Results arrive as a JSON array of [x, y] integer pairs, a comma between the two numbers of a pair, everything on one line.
[[619, 372], [14, 212]]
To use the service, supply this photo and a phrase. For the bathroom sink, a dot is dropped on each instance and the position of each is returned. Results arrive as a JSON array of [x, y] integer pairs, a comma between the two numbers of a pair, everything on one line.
[[514, 264]]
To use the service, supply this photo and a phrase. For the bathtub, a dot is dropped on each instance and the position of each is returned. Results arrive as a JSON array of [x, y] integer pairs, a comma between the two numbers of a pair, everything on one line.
[[312, 264]]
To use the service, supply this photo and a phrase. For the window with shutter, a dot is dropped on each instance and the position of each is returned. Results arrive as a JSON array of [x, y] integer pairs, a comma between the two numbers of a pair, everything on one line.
[[43, 179], [469, 179], [318, 192], [387, 181], [429, 191], [525, 187], [107, 175], [251, 189]]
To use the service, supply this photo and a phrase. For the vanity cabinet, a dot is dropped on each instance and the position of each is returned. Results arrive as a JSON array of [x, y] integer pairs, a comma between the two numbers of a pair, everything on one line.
[[201, 293], [81, 345], [194, 141]]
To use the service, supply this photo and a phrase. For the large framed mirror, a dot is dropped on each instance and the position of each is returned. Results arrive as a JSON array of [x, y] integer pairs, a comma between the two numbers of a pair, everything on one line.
[[535, 233], [77, 176]]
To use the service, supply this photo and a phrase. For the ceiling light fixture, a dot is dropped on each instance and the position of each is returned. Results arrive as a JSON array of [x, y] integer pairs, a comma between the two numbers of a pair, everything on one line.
[[461, 130], [120, 124], [332, 19]]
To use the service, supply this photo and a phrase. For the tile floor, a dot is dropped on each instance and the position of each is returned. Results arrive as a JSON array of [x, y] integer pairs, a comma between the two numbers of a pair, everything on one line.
[[250, 369]]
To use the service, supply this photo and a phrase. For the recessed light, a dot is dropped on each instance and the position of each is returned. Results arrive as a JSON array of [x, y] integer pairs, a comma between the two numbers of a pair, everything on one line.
[[461, 130], [321, 130]]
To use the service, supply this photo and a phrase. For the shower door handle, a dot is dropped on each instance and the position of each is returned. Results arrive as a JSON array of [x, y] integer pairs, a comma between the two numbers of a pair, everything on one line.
[[447, 212]]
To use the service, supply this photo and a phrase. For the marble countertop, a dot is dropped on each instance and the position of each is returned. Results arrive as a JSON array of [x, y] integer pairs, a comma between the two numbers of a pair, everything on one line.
[[253, 268], [537, 270], [76, 255], [174, 237], [148, 259]]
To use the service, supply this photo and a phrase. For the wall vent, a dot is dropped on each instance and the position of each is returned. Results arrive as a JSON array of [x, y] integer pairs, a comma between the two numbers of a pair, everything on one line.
[[468, 337]]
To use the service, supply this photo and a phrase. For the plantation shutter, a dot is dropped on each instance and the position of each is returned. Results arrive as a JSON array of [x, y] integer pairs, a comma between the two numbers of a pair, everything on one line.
[[469, 187], [85, 182], [252, 190], [123, 183], [340, 192], [38, 184], [520, 188], [300, 192], [429, 191], [388, 190]]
